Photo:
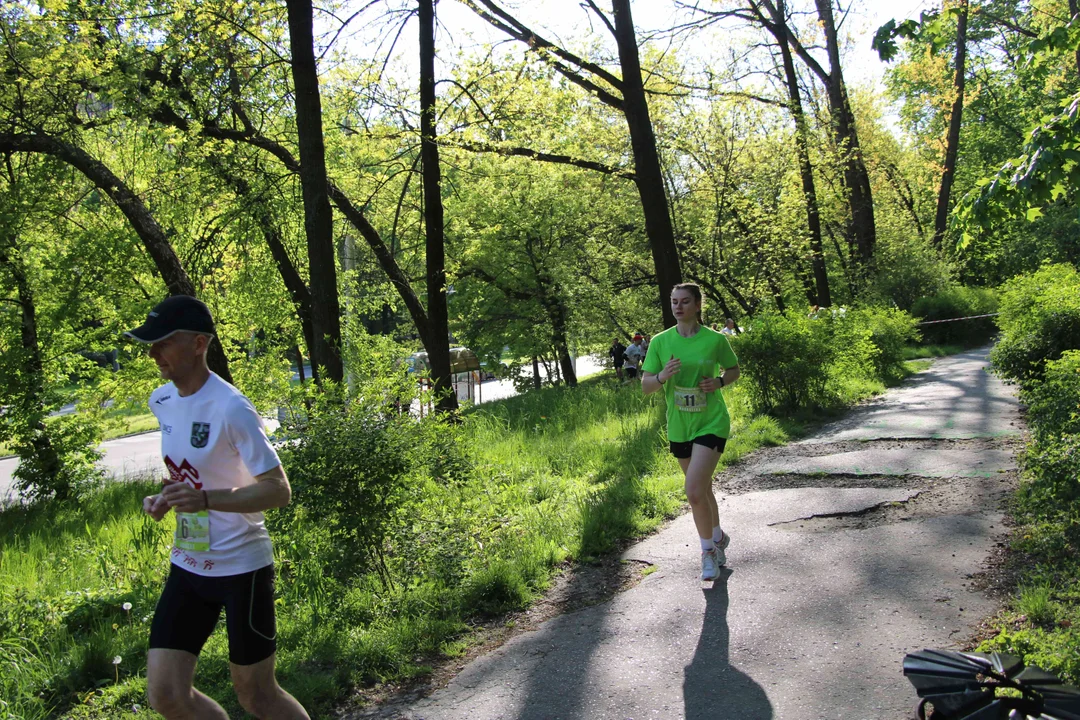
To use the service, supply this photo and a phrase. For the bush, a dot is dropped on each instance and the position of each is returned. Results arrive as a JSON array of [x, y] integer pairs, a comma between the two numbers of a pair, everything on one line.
[[954, 302], [891, 330], [348, 466], [1054, 404], [1040, 320], [784, 360], [57, 457], [795, 363], [1052, 473]]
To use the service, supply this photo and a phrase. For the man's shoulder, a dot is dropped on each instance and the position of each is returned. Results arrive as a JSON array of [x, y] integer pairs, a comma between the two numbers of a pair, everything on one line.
[[229, 396], [162, 396]]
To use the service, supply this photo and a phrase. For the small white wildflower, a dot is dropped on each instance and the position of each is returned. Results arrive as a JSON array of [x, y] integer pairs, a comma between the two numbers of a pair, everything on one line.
[[116, 660], [127, 607]]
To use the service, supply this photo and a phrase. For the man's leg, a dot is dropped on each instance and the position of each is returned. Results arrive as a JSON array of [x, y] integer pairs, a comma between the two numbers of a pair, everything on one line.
[[170, 676], [259, 693]]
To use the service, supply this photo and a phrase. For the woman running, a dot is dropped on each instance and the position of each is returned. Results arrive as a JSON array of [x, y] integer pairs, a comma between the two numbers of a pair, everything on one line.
[[690, 363]]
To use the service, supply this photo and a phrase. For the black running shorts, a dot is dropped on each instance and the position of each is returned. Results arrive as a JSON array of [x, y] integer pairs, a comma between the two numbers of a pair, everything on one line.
[[190, 605], [683, 450]]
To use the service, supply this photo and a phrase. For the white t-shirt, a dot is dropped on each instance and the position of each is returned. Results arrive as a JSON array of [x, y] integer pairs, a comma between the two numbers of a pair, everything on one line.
[[634, 355], [213, 440]]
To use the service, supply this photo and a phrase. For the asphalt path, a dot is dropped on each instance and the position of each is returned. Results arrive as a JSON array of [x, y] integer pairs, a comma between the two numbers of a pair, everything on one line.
[[140, 455], [849, 549]]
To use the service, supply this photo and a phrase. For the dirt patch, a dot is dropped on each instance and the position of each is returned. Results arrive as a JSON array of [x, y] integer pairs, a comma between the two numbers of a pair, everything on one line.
[[575, 588], [935, 498], [744, 477]]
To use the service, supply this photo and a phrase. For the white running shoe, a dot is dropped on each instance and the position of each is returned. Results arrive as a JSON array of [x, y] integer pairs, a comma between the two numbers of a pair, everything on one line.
[[721, 556], [710, 565]]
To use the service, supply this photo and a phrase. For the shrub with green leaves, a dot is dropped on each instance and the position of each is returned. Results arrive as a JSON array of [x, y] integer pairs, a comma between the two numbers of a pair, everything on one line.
[[955, 302], [1040, 320], [891, 330], [784, 360], [796, 363], [1054, 404], [348, 463]]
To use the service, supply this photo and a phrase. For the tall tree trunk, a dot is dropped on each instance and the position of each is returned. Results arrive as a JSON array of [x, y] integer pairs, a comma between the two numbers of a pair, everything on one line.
[[551, 298], [146, 227], [648, 176], [952, 142], [856, 179], [318, 217], [437, 341], [299, 363], [536, 373], [806, 171], [33, 401]]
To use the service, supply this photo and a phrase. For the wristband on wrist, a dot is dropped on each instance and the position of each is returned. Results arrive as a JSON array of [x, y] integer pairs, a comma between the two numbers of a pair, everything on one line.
[[658, 379], [206, 500]]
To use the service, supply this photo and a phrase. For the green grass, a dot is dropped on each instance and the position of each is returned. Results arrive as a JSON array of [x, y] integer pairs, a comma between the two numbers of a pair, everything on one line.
[[1041, 623], [555, 475]]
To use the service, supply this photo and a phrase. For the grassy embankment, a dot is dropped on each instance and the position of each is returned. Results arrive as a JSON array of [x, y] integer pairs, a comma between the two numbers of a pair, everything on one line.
[[1040, 351], [560, 475]]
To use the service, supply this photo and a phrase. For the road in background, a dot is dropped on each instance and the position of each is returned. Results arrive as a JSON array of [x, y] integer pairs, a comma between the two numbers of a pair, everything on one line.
[[140, 455]]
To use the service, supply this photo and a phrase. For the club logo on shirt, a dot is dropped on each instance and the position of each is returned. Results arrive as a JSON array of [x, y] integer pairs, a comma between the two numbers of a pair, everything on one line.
[[184, 472], [167, 429], [162, 399], [200, 434]]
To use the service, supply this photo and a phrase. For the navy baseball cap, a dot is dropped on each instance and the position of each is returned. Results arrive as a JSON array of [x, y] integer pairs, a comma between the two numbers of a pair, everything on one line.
[[179, 313]]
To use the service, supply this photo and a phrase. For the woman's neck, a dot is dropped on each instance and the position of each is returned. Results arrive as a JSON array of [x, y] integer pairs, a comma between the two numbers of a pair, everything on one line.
[[687, 328]]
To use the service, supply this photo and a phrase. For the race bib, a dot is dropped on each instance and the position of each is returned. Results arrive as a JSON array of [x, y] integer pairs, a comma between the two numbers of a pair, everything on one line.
[[193, 531], [690, 399]]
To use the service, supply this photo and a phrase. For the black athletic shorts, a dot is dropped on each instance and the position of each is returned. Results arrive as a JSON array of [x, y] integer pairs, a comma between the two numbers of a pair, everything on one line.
[[190, 605], [631, 372], [683, 450]]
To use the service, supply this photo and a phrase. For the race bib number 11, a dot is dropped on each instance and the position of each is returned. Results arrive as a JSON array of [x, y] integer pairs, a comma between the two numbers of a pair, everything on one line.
[[193, 531], [690, 399]]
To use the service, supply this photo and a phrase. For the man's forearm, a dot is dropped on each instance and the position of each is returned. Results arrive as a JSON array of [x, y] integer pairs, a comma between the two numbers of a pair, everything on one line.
[[271, 491]]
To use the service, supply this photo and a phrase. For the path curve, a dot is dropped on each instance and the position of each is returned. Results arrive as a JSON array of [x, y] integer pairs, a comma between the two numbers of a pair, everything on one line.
[[849, 549]]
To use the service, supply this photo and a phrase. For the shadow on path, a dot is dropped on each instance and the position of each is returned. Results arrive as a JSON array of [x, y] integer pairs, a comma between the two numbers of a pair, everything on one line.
[[712, 688]]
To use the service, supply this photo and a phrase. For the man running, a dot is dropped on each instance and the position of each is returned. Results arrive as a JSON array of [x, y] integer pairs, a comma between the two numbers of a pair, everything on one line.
[[223, 473]]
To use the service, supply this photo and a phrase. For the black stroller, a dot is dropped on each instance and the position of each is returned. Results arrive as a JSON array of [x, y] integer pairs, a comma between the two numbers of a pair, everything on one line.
[[980, 686]]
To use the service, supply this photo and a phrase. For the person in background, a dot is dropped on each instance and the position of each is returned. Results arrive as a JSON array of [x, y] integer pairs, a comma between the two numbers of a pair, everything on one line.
[[634, 354], [615, 352], [729, 328], [689, 363]]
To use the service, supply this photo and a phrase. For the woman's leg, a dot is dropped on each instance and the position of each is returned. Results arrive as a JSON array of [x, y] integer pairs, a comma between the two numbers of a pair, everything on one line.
[[699, 469]]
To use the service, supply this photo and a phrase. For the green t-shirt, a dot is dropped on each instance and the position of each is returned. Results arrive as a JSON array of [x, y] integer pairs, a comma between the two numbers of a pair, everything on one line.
[[691, 412]]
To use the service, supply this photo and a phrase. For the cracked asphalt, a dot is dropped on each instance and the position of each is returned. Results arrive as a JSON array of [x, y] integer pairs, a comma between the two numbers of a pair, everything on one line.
[[849, 549]]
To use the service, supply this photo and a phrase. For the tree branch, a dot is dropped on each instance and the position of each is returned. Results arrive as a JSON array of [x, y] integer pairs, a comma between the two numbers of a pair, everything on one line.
[[540, 156], [502, 20]]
